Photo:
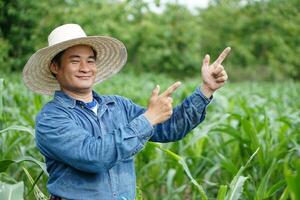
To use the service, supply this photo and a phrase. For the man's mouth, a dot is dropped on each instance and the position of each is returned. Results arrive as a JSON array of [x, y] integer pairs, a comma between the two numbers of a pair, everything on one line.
[[84, 77]]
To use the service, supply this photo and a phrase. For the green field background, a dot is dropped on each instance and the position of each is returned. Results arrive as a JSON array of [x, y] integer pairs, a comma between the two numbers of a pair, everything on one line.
[[244, 119], [247, 148]]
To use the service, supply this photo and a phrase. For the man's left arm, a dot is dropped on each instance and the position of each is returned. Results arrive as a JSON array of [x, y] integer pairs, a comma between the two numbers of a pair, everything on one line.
[[192, 110]]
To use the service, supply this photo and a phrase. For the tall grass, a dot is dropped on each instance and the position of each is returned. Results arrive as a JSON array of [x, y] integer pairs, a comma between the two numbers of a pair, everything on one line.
[[247, 148]]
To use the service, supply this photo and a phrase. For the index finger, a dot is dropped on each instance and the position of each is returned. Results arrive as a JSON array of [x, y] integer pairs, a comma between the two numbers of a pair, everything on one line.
[[171, 89], [223, 55]]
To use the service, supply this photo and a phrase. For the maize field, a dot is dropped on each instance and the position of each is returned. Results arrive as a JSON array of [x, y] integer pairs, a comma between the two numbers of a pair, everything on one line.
[[248, 147]]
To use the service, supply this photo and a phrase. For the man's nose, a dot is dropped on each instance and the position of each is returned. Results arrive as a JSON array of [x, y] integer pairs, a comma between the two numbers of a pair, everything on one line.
[[84, 67]]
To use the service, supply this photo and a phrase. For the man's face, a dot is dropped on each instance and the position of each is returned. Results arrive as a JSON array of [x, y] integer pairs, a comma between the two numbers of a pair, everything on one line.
[[77, 70]]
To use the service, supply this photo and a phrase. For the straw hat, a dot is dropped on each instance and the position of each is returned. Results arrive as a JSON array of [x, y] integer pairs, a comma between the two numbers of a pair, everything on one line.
[[111, 57]]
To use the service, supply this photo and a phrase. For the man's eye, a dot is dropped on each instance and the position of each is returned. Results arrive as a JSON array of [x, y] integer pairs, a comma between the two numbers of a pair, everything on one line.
[[91, 61], [74, 61]]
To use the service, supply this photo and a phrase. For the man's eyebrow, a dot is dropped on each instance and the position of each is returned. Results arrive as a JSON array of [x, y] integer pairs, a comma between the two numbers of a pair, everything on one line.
[[74, 56], [93, 57], [77, 56]]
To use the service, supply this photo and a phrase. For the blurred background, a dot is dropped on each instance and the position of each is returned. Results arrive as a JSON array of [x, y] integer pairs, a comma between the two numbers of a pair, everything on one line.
[[168, 37], [248, 147]]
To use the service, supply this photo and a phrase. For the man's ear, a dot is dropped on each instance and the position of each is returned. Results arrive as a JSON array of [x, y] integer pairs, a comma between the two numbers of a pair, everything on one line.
[[54, 68]]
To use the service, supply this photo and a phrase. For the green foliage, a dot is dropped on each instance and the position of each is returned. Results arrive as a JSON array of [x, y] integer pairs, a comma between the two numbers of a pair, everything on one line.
[[293, 179], [4, 51], [220, 155], [37, 192], [222, 192], [263, 34], [11, 192], [182, 162], [18, 24], [1, 103], [237, 183]]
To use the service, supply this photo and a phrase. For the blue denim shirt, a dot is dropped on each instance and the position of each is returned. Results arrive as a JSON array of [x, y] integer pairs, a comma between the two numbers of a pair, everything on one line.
[[90, 156]]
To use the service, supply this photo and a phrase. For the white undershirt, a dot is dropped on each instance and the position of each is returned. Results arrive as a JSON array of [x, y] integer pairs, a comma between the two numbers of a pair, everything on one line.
[[95, 108]]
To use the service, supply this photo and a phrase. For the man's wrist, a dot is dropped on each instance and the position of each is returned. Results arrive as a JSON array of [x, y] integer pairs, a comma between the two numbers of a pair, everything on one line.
[[206, 90], [148, 117]]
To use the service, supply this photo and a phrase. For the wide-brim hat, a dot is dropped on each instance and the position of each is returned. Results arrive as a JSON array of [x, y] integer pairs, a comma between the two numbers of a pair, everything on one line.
[[111, 57]]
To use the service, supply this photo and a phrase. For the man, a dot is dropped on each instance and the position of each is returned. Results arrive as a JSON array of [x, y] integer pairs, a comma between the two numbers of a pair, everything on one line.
[[89, 140]]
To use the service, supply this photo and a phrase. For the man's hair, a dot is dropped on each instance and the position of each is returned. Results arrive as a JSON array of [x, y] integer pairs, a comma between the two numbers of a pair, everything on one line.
[[57, 58]]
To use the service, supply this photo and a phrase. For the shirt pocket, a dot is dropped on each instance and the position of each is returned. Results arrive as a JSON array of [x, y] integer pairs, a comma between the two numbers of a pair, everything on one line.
[[114, 118]]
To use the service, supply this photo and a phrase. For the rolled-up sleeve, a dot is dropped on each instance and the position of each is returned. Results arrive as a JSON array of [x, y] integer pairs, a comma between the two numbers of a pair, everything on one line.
[[186, 116]]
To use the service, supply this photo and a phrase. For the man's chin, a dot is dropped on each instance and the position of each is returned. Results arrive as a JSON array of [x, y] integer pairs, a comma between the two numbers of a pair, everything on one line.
[[83, 88], [85, 84], [89, 87]]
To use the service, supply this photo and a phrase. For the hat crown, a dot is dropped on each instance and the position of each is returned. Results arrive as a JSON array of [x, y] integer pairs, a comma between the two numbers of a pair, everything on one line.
[[64, 33]]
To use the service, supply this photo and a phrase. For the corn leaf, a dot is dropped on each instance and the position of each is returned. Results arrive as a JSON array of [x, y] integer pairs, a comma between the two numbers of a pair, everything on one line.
[[185, 167], [238, 181], [222, 192], [4, 164], [19, 128], [1, 100], [11, 192], [37, 192]]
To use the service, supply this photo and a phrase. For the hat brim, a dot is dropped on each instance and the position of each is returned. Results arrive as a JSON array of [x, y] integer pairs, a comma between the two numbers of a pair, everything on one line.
[[111, 57]]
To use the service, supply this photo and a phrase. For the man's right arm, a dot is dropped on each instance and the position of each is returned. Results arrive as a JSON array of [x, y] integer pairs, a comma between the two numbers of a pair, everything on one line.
[[60, 138]]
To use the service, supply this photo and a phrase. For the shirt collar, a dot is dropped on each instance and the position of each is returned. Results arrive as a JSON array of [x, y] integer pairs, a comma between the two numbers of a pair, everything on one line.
[[69, 102]]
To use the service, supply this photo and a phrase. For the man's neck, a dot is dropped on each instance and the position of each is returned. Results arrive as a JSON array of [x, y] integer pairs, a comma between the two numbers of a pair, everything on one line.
[[81, 96]]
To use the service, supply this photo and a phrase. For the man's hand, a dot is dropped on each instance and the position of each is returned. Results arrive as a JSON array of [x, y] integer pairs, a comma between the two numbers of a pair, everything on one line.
[[160, 106], [214, 75]]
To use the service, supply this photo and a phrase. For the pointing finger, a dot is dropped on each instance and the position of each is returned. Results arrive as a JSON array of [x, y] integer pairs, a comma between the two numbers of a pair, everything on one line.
[[171, 89], [223, 55]]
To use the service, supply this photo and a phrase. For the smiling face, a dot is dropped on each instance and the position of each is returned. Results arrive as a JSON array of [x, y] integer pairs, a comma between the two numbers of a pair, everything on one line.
[[76, 69]]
